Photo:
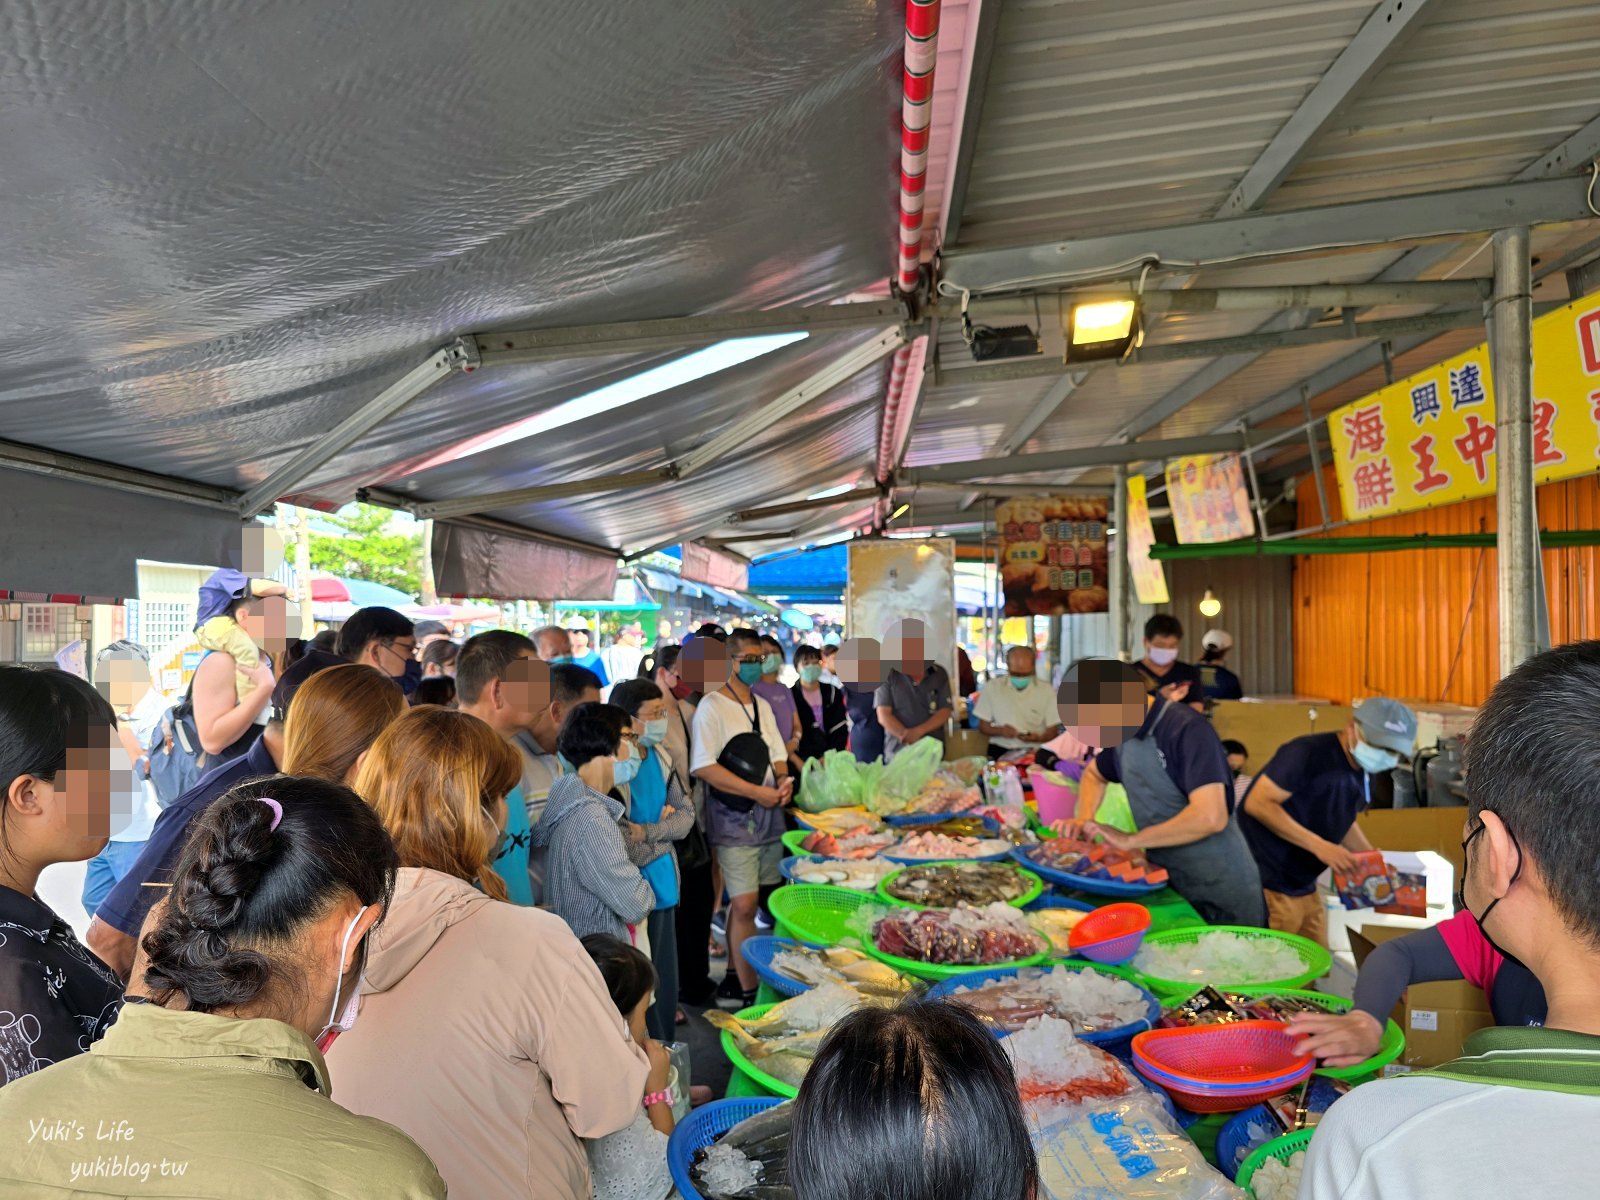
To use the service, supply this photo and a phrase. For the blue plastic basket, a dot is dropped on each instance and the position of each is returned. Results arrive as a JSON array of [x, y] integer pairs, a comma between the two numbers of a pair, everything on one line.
[[918, 820], [1055, 900], [922, 862], [704, 1126], [787, 866], [1103, 1038], [759, 953], [1235, 1142], [1083, 883]]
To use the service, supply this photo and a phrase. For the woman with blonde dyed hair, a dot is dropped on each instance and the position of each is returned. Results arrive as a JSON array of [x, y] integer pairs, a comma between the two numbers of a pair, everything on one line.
[[476, 1013], [336, 717], [439, 781]]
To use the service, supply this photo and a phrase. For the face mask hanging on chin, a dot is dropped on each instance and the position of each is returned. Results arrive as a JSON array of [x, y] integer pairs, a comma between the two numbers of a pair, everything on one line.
[[1461, 895], [343, 1021]]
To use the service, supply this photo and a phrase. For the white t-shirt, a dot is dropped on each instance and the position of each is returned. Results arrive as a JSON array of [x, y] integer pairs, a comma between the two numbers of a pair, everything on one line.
[[1030, 710], [1423, 1138], [720, 718], [144, 717]]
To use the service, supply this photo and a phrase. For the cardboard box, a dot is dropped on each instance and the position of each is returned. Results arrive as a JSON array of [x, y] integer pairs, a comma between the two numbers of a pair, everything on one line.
[[1436, 829], [1264, 725], [1437, 1017]]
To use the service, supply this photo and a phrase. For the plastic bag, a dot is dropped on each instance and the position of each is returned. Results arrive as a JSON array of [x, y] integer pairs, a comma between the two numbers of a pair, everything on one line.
[[832, 781], [1114, 812], [909, 772]]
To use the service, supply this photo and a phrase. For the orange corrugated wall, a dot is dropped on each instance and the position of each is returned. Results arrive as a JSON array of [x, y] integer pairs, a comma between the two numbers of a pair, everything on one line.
[[1414, 624]]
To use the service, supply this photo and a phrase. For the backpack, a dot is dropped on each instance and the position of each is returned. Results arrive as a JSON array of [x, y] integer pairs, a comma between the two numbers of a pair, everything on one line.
[[174, 758], [748, 757]]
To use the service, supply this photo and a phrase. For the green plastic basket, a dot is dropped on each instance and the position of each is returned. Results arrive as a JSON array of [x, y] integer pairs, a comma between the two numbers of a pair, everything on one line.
[[934, 972], [1391, 1047], [1282, 1149], [743, 1066], [794, 841], [1035, 885], [815, 912], [1318, 962]]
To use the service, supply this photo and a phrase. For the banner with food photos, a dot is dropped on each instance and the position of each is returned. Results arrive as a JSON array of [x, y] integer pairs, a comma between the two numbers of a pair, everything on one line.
[[1053, 555]]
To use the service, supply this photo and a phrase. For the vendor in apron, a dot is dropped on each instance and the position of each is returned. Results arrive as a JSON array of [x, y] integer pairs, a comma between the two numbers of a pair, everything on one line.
[[1180, 791], [1516, 1113]]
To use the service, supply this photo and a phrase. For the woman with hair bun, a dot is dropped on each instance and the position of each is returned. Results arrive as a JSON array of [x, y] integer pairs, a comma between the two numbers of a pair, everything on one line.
[[486, 1031], [58, 752], [213, 1079]]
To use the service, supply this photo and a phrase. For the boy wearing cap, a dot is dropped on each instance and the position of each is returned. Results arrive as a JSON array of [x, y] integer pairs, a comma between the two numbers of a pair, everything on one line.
[[1299, 815]]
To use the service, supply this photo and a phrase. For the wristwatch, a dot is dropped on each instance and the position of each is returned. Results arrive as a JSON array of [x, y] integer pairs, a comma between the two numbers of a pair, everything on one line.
[[661, 1097]]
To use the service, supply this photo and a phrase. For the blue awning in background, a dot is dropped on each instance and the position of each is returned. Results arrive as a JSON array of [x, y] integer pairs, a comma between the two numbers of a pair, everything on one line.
[[817, 575]]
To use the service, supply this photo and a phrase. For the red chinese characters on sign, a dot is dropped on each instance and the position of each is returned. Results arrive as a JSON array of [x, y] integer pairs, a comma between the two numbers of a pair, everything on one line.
[[1545, 453], [1374, 484], [1475, 446], [1364, 428], [1430, 478]]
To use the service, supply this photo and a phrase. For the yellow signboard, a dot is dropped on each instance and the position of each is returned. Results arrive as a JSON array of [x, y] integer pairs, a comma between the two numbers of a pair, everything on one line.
[[1208, 498], [1149, 580], [1430, 439]]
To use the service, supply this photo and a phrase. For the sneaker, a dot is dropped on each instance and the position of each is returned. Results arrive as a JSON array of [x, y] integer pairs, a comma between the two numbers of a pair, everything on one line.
[[731, 993], [719, 927], [763, 921]]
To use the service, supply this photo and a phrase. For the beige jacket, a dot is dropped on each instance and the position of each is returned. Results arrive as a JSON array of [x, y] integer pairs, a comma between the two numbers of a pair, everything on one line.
[[487, 1034]]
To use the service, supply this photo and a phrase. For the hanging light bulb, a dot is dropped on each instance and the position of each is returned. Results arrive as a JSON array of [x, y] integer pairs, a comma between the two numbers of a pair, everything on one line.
[[1210, 606]]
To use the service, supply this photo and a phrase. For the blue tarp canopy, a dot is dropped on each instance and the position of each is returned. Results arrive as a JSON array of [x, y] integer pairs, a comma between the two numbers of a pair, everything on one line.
[[817, 575]]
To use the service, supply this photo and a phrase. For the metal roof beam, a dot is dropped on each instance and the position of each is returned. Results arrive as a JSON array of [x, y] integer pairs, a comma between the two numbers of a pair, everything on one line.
[[855, 496], [1378, 40], [681, 333], [460, 355], [1069, 460], [1252, 344], [980, 56], [37, 461], [1265, 235], [797, 397]]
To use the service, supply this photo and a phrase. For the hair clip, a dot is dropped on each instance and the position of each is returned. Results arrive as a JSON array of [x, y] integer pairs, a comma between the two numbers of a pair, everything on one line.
[[277, 811]]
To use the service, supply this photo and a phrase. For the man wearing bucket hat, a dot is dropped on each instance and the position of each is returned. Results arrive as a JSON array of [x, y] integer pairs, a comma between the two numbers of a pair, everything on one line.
[[1299, 815]]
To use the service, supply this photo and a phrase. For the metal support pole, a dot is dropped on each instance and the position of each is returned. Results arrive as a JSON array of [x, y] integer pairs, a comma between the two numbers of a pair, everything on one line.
[[1517, 535], [1316, 459], [1120, 576]]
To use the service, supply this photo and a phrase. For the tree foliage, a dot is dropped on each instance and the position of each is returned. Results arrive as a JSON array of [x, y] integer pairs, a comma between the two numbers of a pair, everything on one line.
[[369, 547]]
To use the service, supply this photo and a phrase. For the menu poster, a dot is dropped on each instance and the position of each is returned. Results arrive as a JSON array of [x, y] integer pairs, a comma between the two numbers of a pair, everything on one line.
[[1053, 555], [1149, 578], [1208, 498]]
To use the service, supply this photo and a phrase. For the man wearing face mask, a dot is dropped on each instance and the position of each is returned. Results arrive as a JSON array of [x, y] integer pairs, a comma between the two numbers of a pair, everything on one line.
[[554, 645], [1299, 815], [1165, 676], [744, 763], [1017, 711], [1516, 1114]]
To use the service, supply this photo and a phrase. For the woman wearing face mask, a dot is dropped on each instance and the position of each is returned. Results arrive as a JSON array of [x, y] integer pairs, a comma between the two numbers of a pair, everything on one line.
[[658, 814], [56, 788], [485, 1031], [590, 883], [820, 706], [213, 1075], [779, 697]]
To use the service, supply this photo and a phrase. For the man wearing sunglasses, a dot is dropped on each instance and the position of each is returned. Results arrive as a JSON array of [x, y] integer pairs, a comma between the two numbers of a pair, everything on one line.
[[1515, 1115]]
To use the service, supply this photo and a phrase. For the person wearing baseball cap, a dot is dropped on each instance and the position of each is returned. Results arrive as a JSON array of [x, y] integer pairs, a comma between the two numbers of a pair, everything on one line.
[[1299, 815], [1216, 680]]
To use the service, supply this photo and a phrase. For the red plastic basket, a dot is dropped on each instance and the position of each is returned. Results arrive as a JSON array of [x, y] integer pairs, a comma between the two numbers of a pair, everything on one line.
[[1112, 934], [1206, 1067]]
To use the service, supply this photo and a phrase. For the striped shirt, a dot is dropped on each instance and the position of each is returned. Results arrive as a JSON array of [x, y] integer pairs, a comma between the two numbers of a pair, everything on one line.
[[589, 882]]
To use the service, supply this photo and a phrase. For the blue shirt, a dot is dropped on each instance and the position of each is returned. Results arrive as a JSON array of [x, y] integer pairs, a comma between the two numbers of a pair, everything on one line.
[[1190, 750], [593, 662], [516, 839], [1220, 683], [125, 908], [1326, 793]]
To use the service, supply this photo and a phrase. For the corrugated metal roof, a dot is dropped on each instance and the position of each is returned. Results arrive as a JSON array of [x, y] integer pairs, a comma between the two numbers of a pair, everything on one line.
[[1108, 115]]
